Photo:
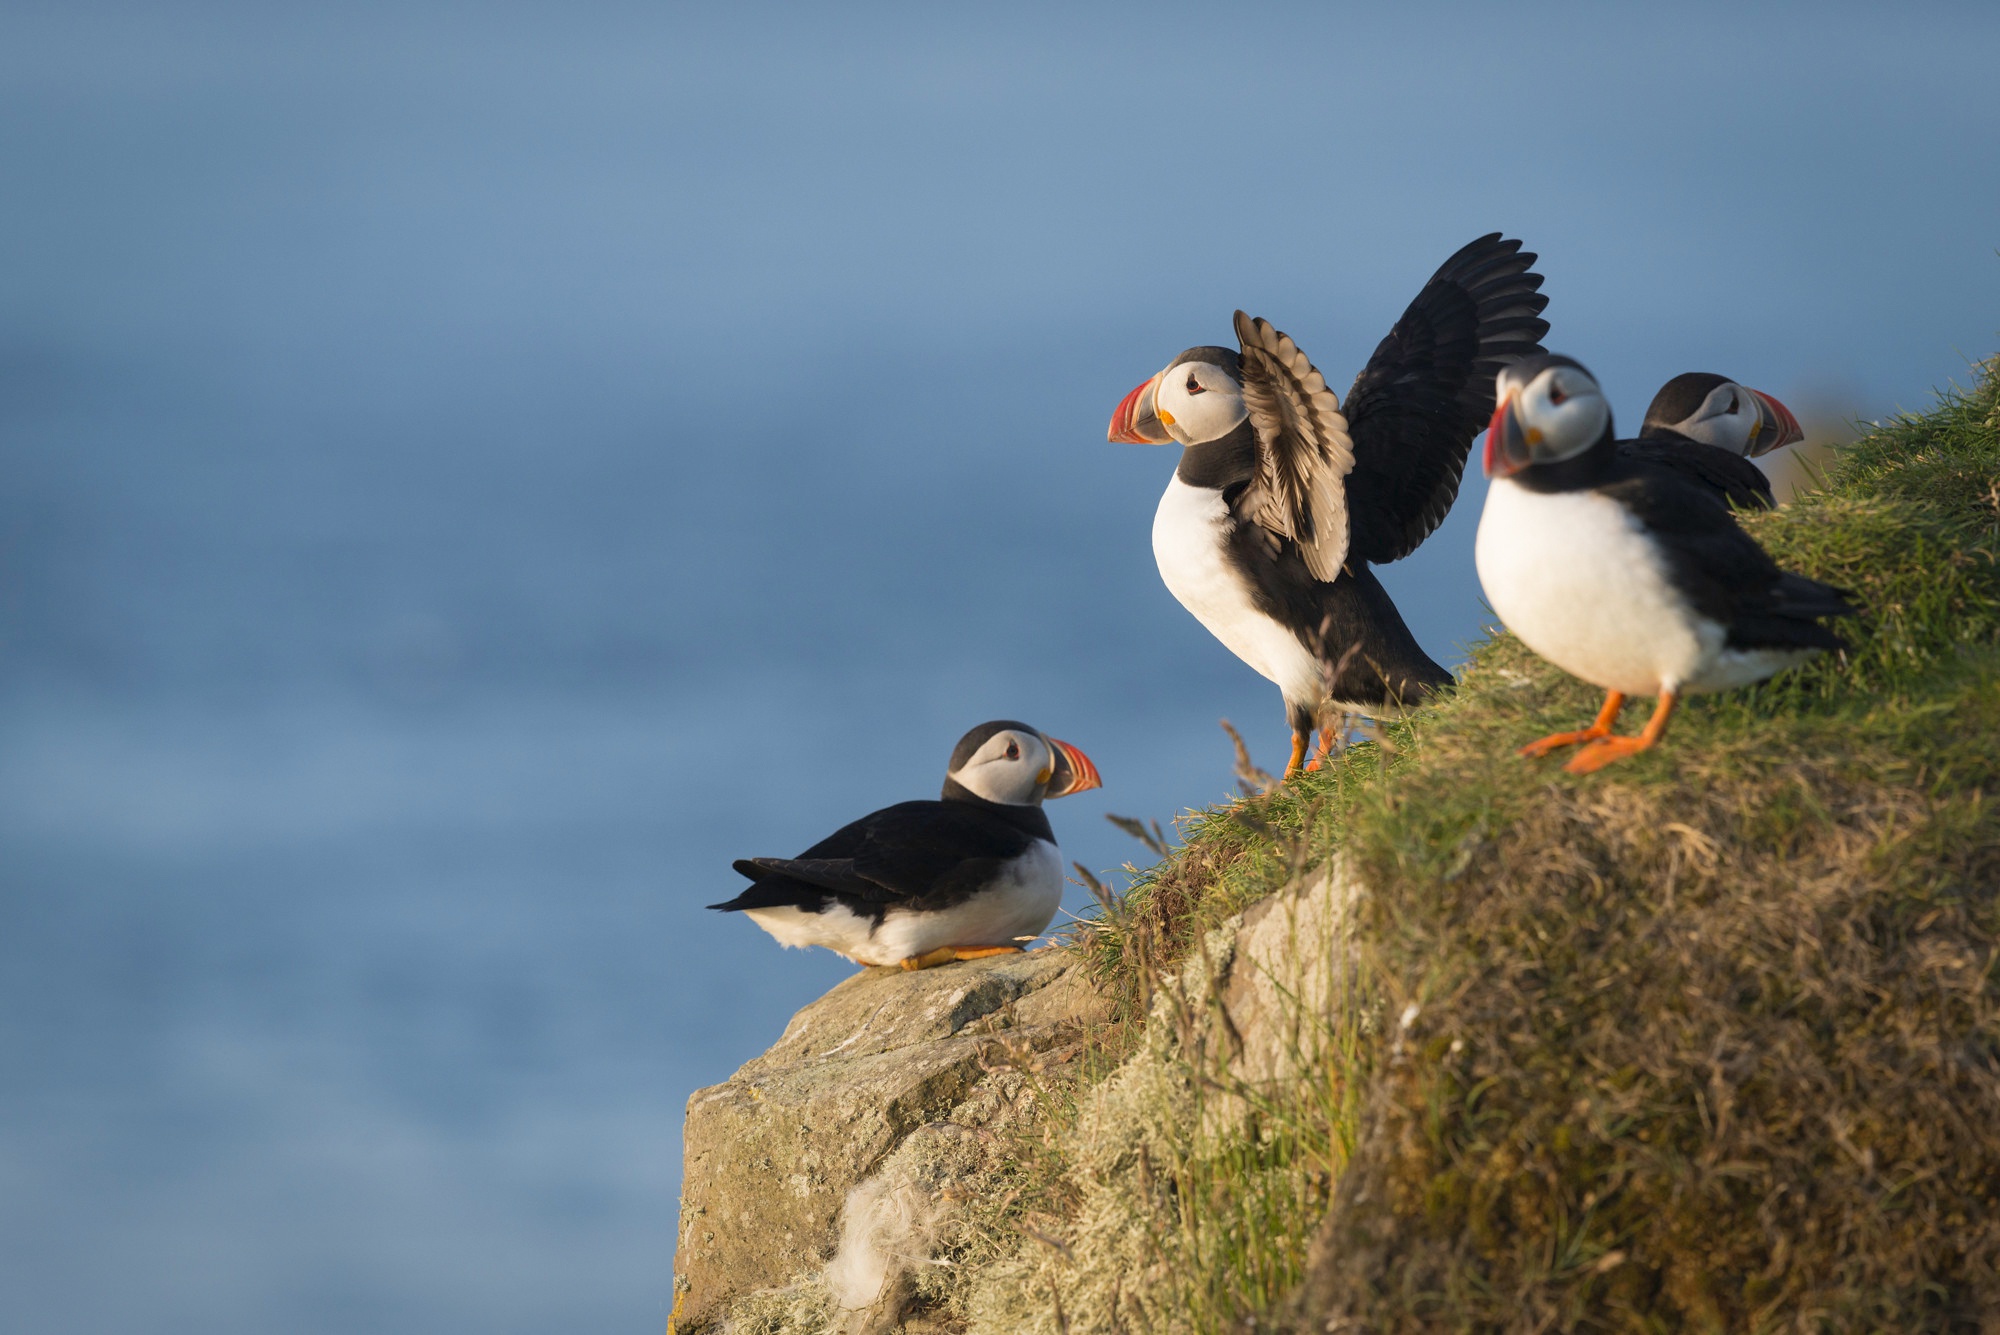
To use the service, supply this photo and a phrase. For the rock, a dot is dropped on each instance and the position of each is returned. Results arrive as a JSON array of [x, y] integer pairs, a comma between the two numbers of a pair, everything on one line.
[[773, 1153], [1279, 981], [1235, 1024]]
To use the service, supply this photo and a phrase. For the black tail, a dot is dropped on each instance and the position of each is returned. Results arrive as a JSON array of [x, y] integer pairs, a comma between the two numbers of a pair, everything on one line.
[[766, 891], [1367, 652], [1791, 619]]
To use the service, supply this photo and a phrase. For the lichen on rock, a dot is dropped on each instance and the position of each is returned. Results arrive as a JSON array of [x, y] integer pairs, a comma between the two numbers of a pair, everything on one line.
[[890, 1073]]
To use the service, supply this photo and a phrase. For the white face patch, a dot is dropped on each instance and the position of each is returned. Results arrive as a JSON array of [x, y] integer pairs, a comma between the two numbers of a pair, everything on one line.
[[1010, 768], [1199, 402], [1563, 413], [1728, 418]]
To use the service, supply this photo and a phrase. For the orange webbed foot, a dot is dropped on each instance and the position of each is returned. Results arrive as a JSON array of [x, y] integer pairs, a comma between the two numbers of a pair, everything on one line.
[[1556, 741], [930, 959], [1604, 751], [1606, 717], [1299, 740], [1324, 752]]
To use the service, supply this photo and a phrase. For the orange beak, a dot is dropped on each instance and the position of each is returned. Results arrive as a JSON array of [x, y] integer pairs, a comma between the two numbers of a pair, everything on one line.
[[1136, 422], [1506, 447], [1776, 425], [1074, 772]]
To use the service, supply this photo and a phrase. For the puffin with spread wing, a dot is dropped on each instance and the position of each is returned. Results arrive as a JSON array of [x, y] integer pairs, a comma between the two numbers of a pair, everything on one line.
[[923, 883], [1281, 500]]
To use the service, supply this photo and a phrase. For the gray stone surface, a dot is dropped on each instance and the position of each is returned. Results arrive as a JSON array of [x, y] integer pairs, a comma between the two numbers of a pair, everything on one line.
[[772, 1152]]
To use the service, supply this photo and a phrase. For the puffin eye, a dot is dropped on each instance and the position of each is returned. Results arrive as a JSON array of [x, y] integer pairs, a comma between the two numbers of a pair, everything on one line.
[[1556, 395], [1013, 750], [1732, 402], [1194, 386]]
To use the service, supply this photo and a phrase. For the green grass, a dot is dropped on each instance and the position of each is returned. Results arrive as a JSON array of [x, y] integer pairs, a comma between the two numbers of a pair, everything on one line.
[[1707, 1040]]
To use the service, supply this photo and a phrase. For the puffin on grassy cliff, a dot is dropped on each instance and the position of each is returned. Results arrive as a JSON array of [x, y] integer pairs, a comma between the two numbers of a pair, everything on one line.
[[922, 883], [1280, 500], [1708, 428], [1623, 572]]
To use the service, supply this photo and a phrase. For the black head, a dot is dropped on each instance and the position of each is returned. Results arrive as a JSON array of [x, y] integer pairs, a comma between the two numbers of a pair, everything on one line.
[[1198, 398], [1016, 765], [1549, 408], [1715, 410]]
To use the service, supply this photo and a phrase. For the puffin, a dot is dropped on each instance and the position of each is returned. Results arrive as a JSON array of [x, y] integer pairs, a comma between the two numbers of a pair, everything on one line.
[[1281, 500], [924, 883], [1708, 428], [1623, 571]]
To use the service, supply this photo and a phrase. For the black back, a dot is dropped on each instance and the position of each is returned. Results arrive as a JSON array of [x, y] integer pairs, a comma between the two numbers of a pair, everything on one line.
[[1415, 409], [1711, 561], [921, 855], [1734, 479], [1720, 569], [1738, 481]]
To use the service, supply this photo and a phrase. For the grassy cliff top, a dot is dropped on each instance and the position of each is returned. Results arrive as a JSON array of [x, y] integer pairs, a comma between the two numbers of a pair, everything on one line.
[[1707, 1040]]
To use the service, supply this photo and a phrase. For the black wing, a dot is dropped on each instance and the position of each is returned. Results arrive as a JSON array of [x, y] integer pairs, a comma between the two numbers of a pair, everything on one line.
[[1730, 476], [1428, 391], [1722, 571], [934, 852]]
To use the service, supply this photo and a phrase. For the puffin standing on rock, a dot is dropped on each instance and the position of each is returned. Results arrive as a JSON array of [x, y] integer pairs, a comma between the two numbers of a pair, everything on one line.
[[1280, 500], [1708, 428], [1622, 571], [926, 883]]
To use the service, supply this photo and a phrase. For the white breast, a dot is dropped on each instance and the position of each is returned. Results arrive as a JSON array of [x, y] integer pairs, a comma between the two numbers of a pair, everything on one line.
[[1575, 576], [1190, 543], [1020, 903]]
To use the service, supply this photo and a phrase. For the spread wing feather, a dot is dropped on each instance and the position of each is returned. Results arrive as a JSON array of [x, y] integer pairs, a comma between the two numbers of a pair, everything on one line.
[[1416, 407], [1303, 449]]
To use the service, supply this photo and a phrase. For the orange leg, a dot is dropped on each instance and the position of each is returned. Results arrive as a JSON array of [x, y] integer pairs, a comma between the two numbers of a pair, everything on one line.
[[1326, 736], [1606, 716], [1299, 740], [930, 959], [1607, 749]]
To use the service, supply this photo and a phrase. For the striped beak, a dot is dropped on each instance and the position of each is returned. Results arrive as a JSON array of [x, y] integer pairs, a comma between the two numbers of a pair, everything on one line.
[[1074, 773], [1506, 444], [1776, 427], [1136, 422]]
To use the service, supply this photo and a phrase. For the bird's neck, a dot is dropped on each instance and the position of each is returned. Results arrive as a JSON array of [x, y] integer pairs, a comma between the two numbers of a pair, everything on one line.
[[1579, 472], [1221, 462], [1029, 819]]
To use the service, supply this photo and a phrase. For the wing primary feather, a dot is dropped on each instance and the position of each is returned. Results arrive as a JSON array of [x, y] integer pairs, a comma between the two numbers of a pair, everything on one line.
[[1427, 391], [1303, 448]]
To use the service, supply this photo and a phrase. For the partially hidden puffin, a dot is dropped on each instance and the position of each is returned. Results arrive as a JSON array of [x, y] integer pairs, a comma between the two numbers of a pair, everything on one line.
[[924, 883], [1281, 500], [1624, 572], [1708, 428]]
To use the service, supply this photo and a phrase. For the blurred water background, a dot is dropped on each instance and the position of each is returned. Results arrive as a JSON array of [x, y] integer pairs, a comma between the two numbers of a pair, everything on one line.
[[469, 471]]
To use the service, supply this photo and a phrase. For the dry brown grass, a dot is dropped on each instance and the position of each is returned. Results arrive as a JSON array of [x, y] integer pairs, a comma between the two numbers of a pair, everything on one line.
[[1722, 1054]]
